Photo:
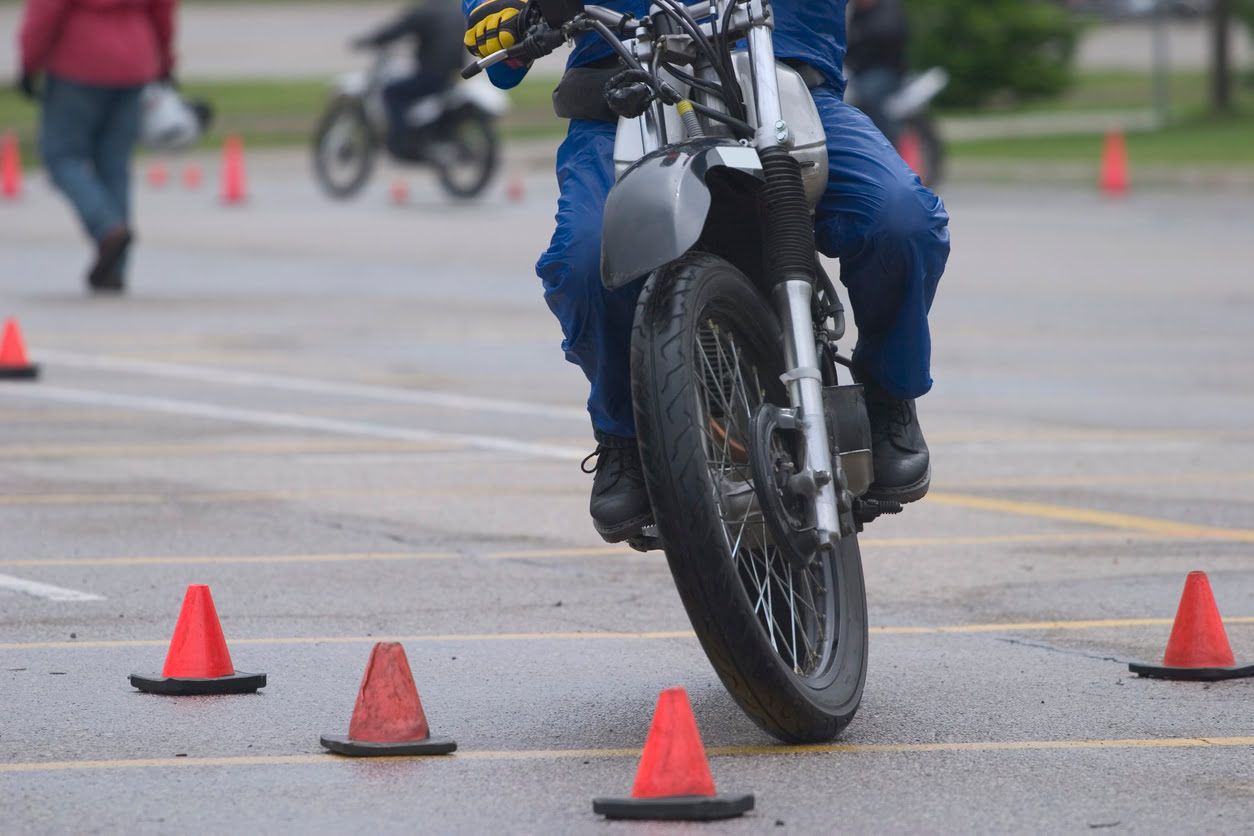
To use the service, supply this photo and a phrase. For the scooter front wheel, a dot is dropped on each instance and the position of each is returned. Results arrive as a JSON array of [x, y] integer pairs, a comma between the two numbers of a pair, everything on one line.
[[788, 640], [344, 149]]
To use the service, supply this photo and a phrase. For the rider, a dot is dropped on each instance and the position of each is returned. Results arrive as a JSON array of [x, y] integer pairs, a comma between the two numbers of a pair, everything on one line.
[[878, 33], [434, 25], [889, 232]]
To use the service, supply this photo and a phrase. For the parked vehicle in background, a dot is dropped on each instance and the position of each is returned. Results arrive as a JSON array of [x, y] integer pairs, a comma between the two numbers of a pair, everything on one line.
[[454, 132]]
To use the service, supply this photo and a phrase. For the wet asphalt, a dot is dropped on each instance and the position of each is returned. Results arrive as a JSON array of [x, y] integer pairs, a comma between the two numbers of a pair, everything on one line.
[[354, 422]]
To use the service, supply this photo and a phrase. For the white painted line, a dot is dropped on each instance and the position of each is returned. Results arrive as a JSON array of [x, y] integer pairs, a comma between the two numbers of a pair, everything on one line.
[[232, 377], [287, 420], [45, 590]]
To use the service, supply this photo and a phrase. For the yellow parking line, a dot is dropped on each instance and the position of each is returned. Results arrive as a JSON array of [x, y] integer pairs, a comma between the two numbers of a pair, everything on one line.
[[1104, 519], [713, 751], [597, 635]]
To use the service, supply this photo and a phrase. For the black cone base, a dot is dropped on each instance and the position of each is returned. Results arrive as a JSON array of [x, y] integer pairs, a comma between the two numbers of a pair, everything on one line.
[[1190, 674], [237, 683], [675, 808], [343, 745], [19, 372]]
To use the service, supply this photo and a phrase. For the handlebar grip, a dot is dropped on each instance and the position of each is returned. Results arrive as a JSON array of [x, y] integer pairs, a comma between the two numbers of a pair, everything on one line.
[[471, 70]]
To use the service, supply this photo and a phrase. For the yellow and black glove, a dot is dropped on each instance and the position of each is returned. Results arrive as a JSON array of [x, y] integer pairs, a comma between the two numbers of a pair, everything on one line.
[[495, 25]]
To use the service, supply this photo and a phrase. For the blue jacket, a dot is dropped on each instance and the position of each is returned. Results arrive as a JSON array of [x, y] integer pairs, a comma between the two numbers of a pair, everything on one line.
[[812, 31]]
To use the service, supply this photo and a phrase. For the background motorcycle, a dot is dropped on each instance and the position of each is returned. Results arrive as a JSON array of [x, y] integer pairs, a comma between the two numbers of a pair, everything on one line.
[[455, 131], [910, 107], [755, 456]]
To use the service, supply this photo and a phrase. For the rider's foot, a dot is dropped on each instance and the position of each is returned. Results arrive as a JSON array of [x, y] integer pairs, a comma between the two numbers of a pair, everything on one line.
[[902, 462], [620, 502]]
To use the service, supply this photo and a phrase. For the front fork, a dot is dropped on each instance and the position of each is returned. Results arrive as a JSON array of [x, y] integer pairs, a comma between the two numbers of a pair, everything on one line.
[[805, 391]]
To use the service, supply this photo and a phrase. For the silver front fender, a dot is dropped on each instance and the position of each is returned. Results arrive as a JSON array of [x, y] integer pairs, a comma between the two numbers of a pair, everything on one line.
[[656, 211]]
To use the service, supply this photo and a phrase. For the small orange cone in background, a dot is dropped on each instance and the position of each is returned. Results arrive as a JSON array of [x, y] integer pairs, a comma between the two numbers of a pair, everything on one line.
[[1114, 177], [673, 781], [10, 167], [234, 179], [13, 362], [192, 176], [1198, 649], [399, 192], [158, 175], [198, 661], [515, 189], [911, 151], [388, 718]]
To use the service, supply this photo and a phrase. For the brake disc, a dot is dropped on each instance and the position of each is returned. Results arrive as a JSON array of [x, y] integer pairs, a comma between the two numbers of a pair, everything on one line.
[[784, 491]]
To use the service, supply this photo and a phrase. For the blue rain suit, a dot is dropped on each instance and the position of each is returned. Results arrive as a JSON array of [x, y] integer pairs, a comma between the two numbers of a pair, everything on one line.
[[889, 232]]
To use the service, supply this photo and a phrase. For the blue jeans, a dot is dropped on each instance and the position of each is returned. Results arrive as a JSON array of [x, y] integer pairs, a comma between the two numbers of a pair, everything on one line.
[[890, 233], [86, 136]]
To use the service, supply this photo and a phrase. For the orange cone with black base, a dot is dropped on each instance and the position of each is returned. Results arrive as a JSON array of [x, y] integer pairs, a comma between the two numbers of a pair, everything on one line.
[[1198, 649], [388, 718], [13, 362], [198, 661], [10, 167], [673, 781]]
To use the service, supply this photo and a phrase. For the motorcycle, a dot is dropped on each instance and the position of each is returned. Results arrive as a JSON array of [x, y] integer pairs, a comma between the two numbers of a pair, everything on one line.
[[756, 454], [918, 140], [454, 131]]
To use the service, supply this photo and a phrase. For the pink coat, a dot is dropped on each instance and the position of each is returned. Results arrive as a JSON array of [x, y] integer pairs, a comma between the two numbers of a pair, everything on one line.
[[111, 43]]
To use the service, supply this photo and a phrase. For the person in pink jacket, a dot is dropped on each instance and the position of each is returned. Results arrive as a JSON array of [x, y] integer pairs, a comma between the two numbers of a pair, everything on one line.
[[95, 57]]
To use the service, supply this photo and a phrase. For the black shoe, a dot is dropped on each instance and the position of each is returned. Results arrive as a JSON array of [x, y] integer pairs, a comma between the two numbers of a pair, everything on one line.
[[105, 275], [620, 502], [902, 461]]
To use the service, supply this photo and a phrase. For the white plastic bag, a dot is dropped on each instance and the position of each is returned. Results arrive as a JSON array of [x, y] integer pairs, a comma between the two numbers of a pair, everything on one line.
[[167, 123]]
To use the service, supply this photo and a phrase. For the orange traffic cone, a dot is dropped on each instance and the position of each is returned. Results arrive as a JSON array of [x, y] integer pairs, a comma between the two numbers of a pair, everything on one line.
[[10, 167], [198, 661], [234, 185], [911, 151], [388, 718], [1114, 176], [1198, 649], [192, 176], [13, 362], [399, 192], [515, 189], [158, 175], [673, 781]]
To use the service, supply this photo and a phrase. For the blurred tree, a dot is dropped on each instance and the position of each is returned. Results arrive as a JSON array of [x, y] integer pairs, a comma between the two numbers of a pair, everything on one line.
[[1019, 49]]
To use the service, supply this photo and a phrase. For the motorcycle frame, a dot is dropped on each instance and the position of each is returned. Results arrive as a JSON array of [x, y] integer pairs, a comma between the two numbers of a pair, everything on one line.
[[675, 227]]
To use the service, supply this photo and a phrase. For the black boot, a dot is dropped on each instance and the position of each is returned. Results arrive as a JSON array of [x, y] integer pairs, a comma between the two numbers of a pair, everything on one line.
[[620, 502], [902, 462], [105, 275]]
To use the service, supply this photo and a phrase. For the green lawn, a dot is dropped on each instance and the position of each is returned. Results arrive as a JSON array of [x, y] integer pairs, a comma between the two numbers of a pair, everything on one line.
[[284, 113], [1198, 141]]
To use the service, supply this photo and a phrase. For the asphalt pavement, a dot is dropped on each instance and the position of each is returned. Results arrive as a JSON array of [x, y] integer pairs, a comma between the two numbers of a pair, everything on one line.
[[353, 421]]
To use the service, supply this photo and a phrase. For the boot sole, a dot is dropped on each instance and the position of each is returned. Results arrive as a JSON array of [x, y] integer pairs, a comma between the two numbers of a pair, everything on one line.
[[624, 531], [904, 495]]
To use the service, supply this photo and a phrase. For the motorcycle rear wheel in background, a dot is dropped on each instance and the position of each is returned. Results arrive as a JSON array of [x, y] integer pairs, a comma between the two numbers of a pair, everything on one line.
[[789, 642], [466, 153], [344, 149]]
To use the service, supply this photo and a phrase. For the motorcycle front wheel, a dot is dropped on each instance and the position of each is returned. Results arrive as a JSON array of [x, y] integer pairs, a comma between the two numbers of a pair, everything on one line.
[[467, 154], [344, 149], [789, 643]]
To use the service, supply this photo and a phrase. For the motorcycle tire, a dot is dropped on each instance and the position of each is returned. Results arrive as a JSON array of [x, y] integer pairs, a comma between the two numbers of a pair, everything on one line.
[[473, 135], [694, 314], [344, 149]]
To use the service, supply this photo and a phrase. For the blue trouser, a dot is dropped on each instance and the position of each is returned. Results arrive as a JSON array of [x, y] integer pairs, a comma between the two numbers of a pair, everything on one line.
[[889, 232], [86, 136]]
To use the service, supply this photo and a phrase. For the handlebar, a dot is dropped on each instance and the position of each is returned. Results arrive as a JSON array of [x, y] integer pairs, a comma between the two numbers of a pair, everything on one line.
[[538, 44]]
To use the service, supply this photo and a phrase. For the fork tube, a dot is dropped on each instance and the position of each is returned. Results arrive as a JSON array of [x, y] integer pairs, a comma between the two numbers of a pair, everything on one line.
[[805, 391], [772, 130]]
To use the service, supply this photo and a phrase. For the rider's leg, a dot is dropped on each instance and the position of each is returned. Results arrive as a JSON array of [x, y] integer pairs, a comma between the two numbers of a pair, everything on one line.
[[596, 324], [398, 98], [891, 235]]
